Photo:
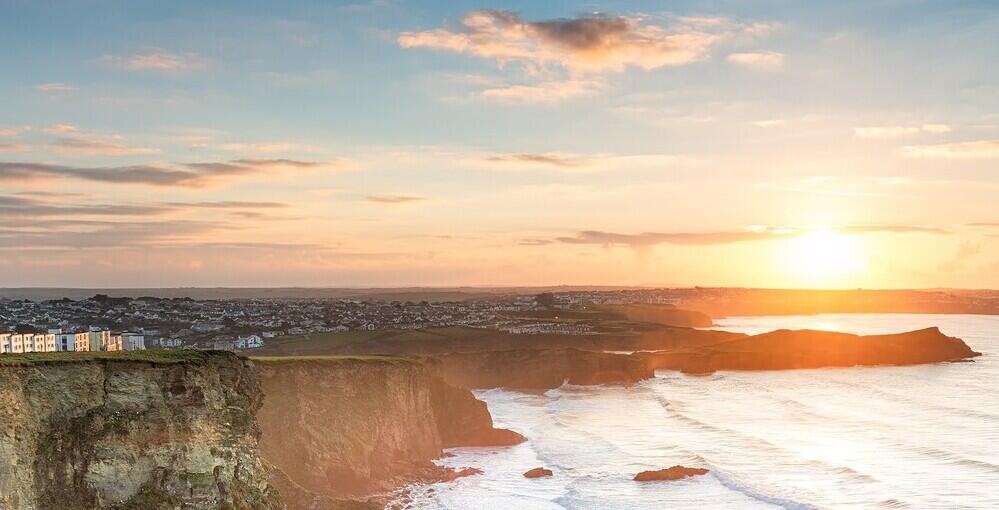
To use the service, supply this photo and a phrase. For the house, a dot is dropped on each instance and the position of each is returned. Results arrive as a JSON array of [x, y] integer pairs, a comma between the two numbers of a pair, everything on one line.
[[249, 342], [133, 341]]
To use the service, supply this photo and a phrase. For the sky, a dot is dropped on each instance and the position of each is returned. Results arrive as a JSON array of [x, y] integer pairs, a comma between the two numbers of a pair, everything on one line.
[[389, 143]]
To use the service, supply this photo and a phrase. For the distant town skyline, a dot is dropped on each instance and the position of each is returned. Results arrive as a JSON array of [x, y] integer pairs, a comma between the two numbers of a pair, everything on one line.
[[388, 144]]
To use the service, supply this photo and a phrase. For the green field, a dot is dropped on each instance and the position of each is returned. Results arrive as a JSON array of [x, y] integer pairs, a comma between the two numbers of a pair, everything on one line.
[[149, 356], [317, 342]]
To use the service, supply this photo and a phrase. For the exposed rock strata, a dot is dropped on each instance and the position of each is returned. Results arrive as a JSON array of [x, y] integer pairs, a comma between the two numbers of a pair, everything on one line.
[[131, 435], [357, 427]]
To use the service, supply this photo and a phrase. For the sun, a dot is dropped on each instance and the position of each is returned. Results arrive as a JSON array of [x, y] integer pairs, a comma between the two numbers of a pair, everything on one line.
[[822, 257]]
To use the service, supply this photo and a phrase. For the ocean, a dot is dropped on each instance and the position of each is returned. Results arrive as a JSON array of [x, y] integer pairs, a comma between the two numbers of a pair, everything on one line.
[[921, 437]]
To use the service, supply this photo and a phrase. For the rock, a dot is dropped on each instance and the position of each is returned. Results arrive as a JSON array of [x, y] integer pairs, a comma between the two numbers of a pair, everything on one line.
[[461, 473], [673, 473], [538, 472]]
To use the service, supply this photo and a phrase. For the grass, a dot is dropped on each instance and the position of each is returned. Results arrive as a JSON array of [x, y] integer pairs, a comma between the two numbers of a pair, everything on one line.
[[311, 343], [155, 356], [280, 359]]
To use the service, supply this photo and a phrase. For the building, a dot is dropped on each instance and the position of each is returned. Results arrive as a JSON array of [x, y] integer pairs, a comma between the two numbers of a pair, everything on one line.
[[99, 339], [5, 343], [81, 341], [133, 341], [249, 342], [114, 343]]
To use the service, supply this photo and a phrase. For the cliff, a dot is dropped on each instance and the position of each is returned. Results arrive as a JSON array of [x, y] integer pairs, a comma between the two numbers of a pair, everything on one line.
[[353, 427], [535, 370], [126, 432], [786, 349]]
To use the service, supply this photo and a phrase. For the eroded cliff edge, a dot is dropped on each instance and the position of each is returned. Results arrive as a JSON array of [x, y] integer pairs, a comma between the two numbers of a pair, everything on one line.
[[170, 431], [338, 428]]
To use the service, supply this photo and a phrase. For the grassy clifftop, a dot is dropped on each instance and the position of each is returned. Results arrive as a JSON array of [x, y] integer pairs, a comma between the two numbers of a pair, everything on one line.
[[149, 356]]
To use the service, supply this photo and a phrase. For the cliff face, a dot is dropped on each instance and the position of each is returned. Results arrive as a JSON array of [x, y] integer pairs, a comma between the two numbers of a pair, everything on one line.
[[541, 369], [357, 426], [131, 435]]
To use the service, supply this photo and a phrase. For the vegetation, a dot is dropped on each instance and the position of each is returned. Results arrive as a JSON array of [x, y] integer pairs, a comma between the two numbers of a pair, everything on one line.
[[308, 344], [156, 356], [280, 359]]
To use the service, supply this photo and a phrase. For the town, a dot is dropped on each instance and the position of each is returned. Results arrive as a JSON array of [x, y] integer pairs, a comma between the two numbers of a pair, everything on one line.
[[106, 323]]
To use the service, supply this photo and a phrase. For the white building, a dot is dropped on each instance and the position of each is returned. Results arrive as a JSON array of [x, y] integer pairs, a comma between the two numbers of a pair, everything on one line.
[[5, 343], [249, 342], [133, 341]]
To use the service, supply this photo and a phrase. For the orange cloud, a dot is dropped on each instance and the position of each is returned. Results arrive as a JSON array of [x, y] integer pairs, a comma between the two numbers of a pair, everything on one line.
[[980, 149], [594, 43]]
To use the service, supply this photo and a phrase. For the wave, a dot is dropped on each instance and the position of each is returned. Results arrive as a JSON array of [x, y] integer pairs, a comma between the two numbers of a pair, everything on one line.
[[736, 485]]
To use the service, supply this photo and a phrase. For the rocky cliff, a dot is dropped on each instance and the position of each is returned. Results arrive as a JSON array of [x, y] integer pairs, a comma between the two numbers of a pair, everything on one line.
[[786, 349], [167, 431], [350, 427]]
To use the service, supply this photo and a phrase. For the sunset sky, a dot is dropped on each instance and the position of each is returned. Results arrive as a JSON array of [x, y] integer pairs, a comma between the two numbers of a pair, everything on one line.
[[389, 143]]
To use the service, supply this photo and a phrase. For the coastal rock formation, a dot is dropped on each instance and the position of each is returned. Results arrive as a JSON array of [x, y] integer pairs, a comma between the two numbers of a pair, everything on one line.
[[669, 474], [131, 434], [786, 349], [538, 472], [536, 370], [354, 427]]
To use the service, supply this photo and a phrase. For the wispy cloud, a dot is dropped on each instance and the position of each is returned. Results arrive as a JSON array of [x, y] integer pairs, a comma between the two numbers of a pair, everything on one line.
[[393, 199], [228, 204], [93, 146], [157, 60], [760, 61], [770, 123], [14, 147], [545, 92], [61, 129], [160, 174], [54, 87], [557, 160], [980, 149], [768, 233], [898, 131]]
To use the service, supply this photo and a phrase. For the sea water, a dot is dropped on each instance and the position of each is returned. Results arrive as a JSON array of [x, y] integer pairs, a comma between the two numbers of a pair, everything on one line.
[[864, 437]]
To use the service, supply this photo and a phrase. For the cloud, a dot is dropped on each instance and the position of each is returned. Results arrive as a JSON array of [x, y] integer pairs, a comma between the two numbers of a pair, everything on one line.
[[90, 146], [229, 204], [967, 250], [551, 159], [770, 123], [545, 92], [765, 233], [9, 132], [393, 199], [25, 207], [576, 162], [61, 129], [897, 131], [591, 43], [107, 234], [14, 147], [760, 61], [54, 87], [980, 149], [266, 147], [157, 174], [157, 60], [647, 239]]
